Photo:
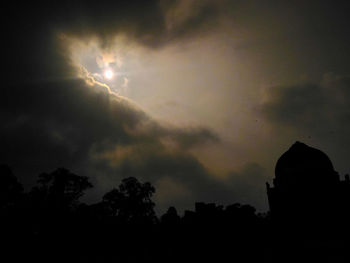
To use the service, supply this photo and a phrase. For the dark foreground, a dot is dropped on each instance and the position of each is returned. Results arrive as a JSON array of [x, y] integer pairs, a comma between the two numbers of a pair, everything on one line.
[[308, 220]]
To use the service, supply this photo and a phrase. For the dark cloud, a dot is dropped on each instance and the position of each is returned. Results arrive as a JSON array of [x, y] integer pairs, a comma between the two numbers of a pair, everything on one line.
[[151, 22], [181, 179], [187, 137], [50, 118], [69, 123], [32, 30], [296, 105], [311, 106], [317, 111], [248, 186]]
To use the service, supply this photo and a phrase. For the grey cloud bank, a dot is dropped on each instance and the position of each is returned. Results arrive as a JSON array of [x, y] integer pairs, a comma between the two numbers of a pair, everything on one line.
[[235, 49]]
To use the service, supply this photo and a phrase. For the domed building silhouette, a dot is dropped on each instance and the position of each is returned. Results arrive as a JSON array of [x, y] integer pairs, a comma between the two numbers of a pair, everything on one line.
[[306, 189]]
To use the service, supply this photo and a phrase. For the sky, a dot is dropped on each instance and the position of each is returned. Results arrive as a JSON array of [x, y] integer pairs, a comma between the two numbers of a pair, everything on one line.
[[200, 98]]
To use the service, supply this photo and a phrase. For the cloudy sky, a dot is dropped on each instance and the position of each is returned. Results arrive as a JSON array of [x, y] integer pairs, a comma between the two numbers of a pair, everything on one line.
[[198, 97]]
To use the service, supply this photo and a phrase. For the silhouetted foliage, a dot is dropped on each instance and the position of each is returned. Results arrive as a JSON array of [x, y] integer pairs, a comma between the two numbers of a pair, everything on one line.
[[306, 223], [131, 202], [10, 189], [61, 188]]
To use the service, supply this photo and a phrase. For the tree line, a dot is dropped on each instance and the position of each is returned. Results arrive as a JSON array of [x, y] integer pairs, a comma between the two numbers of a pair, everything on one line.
[[49, 223]]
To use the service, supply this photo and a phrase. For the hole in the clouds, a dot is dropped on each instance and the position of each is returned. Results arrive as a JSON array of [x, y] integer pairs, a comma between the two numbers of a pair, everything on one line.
[[100, 65], [108, 74]]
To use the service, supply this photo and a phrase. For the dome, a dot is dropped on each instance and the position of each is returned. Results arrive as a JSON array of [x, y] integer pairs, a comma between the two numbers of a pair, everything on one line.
[[304, 166]]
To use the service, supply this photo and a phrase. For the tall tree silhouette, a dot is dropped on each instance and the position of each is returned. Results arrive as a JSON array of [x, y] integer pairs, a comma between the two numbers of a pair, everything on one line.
[[10, 188], [131, 202], [61, 188]]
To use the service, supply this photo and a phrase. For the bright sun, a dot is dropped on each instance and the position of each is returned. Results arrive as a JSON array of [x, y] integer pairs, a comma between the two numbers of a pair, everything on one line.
[[108, 74]]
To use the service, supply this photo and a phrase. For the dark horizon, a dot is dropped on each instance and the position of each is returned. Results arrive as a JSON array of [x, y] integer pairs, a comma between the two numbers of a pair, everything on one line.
[[309, 211], [86, 199]]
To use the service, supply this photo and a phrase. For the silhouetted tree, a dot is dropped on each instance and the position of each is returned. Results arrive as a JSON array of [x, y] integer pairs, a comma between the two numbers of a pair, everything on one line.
[[131, 202], [61, 188], [51, 223], [10, 188]]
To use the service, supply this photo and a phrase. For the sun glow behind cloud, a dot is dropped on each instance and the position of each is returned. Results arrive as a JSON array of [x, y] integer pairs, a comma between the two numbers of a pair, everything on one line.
[[108, 74], [100, 65], [165, 83]]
